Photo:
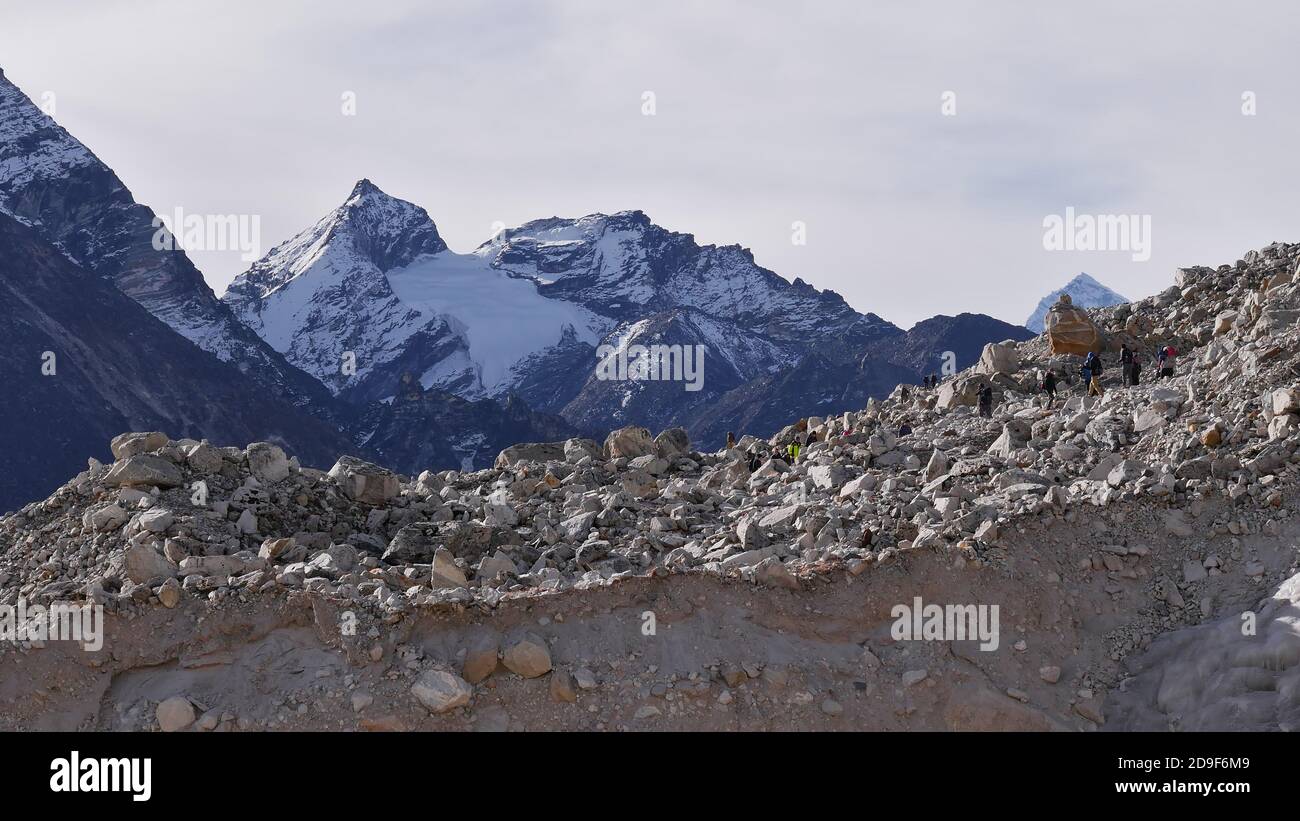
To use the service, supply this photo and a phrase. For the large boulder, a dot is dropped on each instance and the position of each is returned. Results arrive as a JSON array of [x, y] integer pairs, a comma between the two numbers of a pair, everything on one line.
[[1069, 329], [364, 482], [531, 452], [527, 656], [575, 450], [631, 442], [999, 357], [440, 691], [963, 390], [174, 714], [414, 543], [267, 463], [471, 541], [129, 444], [672, 443], [144, 469], [141, 564]]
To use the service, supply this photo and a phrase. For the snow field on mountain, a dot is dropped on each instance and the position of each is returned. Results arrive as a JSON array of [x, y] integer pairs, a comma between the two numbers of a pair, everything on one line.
[[501, 319]]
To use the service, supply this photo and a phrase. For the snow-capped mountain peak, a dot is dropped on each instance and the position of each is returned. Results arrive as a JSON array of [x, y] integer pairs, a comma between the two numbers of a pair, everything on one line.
[[373, 287], [1084, 291]]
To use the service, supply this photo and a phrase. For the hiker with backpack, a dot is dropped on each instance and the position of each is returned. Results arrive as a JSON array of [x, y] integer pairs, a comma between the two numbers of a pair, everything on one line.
[[986, 401], [1134, 371], [1126, 364], [1049, 386], [1093, 366]]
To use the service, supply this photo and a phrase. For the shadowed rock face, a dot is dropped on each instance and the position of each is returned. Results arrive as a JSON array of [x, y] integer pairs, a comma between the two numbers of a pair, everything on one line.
[[74, 201], [116, 367]]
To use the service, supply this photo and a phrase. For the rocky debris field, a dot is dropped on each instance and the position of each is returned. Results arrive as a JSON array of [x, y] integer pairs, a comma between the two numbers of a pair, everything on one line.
[[359, 597]]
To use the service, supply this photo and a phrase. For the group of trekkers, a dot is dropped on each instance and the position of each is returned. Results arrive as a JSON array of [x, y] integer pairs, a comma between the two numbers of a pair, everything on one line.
[[1090, 372], [756, 453], [1130, 367]]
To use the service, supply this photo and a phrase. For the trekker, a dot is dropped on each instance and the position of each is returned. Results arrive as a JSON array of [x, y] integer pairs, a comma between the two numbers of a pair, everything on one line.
[[753, 459], [1136, 369], [1049, 385], [731, 440], [1168, 353], [1086, 373], [1094, 365], [1126, 364], [904, 429], [986, 401]]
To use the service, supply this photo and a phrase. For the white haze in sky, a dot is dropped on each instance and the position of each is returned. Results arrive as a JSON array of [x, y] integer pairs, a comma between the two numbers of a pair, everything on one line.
[[827, 113]]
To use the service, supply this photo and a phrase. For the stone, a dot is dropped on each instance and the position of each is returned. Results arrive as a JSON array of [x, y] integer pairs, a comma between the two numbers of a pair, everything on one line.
[[156, 520], [999, 357], [629, 442], [273, 549], [1069, 329], [575, 450], [170, 593], [361, 701], [1125, 472], [445, 573], [143, 564], [414, 543], [247, 522], [129, 444], [175, 714], [562, 689], [750, 535], [105, 518], [440, 691], [144, 469], [531, 452], [364, 482], [267, 462], [203, 458], [773, 573], [481, 657], [673, 443], [527, 656]]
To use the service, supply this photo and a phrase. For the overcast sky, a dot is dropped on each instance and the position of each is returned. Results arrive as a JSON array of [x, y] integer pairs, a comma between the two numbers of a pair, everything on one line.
[[827, 113]]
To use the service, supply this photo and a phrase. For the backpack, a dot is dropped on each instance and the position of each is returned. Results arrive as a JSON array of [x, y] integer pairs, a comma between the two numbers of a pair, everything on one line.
[[1096, 366]]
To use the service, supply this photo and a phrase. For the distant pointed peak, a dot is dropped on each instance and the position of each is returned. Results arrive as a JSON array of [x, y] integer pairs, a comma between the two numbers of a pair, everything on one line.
[[1084, 277], [364, 186]]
